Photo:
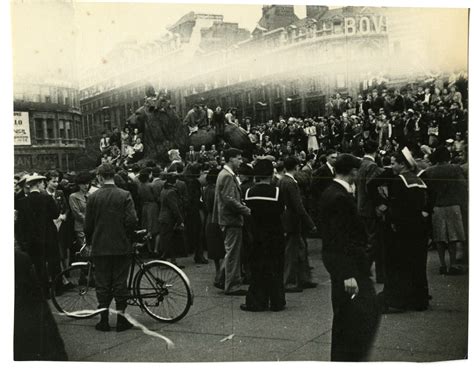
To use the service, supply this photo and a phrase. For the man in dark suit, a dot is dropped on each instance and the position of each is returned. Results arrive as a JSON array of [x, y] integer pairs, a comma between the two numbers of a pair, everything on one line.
[[366, 207], [35, 336], [321, 178], [36, 232], [229, 213], [356, 315], [192, 156], [110, 216], [295, 220]]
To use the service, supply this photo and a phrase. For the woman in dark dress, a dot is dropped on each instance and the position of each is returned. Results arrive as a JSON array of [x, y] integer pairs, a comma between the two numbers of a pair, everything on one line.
[[192, 218], [406, 284], [214, 237], [268, 247], [171, 220], [148, 205]]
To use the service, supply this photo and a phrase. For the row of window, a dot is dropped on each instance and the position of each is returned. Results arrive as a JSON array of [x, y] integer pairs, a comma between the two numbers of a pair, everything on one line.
[[137, 93], [46, 94], [107, 119], [53, 131]]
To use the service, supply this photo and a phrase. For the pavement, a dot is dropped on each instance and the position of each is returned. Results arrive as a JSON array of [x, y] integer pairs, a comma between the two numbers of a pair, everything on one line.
[[216, 330]]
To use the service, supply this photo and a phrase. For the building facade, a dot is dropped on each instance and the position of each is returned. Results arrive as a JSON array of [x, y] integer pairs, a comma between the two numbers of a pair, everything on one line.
[[48, 130], [56, 133], [285, 66]]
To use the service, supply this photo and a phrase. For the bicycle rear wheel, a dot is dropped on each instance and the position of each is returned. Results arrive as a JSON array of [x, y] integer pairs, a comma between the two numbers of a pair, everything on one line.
[[164, 291], [80, 300]]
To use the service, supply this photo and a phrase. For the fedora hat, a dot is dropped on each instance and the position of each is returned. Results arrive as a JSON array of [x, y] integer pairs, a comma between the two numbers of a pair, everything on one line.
[[34, 177]]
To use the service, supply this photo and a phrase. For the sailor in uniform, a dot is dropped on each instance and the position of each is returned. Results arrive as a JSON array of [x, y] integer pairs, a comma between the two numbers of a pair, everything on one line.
[[406, 285], [267, 254]]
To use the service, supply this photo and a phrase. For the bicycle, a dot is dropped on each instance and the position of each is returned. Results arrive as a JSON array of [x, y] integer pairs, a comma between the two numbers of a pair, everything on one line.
[[155, 287]]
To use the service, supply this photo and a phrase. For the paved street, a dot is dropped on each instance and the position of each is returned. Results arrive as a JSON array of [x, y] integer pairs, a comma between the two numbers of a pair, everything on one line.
[[301, 332]]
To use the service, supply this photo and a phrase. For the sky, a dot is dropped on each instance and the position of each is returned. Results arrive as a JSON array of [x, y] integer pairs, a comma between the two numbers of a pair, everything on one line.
[[44, 29], [105, 24], [66, 37]]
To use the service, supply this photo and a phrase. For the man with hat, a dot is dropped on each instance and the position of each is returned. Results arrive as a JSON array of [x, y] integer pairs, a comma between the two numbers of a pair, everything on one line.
[[110, 216], [356, 315], [36, 232], [267, 255]]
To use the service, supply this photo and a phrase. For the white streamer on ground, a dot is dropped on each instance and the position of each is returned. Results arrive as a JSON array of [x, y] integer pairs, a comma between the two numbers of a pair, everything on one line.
[[228, 338], [81, 313]]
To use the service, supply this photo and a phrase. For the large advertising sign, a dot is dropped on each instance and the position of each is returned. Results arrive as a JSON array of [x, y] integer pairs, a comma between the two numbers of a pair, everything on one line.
[[21, 128]]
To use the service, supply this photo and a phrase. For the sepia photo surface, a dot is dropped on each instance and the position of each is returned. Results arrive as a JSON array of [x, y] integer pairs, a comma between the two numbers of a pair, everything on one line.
[[240, 182]]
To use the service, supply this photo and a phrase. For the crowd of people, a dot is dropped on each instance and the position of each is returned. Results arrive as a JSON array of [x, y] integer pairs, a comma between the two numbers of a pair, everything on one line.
[[380, 179]]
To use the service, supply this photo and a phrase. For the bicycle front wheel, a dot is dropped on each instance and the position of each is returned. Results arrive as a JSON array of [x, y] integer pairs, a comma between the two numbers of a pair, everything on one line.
[[164, 291], [79, 301]]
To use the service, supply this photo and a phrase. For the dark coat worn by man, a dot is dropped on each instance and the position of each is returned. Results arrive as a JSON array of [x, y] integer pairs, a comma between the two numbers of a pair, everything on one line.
[[37, 234], [295, 220], [321, 179], [366, 208], [344, 255], [110, 216], [36, 335]]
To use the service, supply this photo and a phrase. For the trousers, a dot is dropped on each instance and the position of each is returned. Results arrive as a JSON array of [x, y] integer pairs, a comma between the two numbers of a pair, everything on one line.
[[373, 228], [230, 269], [355, 321], [296, 261], [111, 272]]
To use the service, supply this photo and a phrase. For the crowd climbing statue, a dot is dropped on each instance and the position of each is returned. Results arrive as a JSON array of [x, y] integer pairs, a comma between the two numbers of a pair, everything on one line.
[[163, 129]]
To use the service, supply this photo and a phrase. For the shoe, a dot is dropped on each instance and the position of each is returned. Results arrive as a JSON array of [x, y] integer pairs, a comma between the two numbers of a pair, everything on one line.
[[123, 324], [244, 307], [103, 324], [308, 284], [237, 293], [277, 308], [202, 260], [443, 270], [392, 310], [421, 307], [293, 289], [219, 285], [454, 271]]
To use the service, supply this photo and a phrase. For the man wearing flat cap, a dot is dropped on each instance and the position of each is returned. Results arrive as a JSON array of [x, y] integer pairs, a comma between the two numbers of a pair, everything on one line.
[[110, 216], [356, 314]]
